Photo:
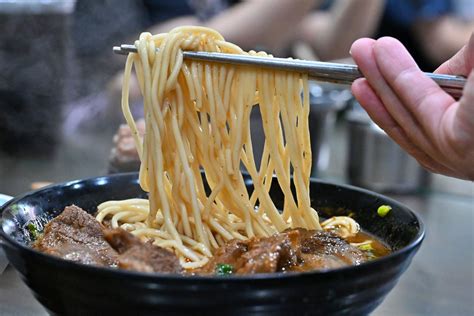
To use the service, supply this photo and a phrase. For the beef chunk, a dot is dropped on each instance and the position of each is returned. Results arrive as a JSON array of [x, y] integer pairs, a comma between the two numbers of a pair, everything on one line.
[[256, 255], [231, 253], [139, 256], [330, 244], [76, 235], [292, 250], [320, 250], [272, 254]]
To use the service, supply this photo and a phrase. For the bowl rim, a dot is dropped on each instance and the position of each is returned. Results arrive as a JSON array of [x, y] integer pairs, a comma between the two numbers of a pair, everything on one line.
[[4, 198], [6, 240]]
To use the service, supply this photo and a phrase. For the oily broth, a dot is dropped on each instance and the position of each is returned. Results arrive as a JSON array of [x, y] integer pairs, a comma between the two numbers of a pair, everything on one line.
[[379, 248]]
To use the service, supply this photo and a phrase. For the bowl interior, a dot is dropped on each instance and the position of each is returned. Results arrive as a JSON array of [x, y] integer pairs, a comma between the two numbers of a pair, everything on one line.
[[398, 229]]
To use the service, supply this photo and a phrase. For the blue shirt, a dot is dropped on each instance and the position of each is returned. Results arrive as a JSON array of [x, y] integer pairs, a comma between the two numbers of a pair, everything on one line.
[[406, 12]]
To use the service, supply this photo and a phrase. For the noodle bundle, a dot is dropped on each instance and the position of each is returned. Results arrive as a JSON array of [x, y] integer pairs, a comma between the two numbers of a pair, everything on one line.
[[197, 117]]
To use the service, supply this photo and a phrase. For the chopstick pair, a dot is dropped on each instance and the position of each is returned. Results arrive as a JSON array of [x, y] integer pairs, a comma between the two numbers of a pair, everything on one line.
[[316, 70]]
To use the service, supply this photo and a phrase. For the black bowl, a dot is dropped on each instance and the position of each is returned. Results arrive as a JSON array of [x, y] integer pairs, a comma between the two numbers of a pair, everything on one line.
[[65, 287]]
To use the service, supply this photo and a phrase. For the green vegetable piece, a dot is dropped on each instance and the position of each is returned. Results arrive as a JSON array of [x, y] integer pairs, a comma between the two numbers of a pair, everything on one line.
[[224, 269], [366, 247], [383, 210], [32, 230], [370, 255]]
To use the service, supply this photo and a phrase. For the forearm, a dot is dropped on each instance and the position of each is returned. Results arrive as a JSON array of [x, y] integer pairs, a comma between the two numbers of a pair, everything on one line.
[[170, 24], [265, 23], [332, 33], [442, 38], [268, 24]]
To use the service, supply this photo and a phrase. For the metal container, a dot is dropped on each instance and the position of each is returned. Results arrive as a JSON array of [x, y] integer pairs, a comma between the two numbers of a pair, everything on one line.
[[376, 162]]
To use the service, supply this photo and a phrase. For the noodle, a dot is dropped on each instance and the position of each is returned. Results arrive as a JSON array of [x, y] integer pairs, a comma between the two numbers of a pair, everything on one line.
[[197, 117]]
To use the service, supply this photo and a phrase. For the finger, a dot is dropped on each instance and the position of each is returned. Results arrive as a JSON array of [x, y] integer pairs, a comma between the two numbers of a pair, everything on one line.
[[428, 102], [363, 53], [141, 126], [465, 112], [461, 63], [371, 102], [124, 131], [360, 45], [459, 124], [377, 112]]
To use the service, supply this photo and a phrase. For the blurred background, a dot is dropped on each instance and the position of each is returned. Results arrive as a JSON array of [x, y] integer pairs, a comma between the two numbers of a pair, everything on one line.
[[60, 83], [60, 103]]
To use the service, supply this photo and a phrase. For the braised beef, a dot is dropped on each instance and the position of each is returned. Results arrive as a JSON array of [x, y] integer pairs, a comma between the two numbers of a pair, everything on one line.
[[139, 256], [77, 236], [272, 254], [321, 250], [292, 250]]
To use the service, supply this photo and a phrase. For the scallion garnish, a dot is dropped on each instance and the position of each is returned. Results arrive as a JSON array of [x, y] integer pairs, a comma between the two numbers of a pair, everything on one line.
[[32, 230], [224, 269], [366, 247], [383, 210]]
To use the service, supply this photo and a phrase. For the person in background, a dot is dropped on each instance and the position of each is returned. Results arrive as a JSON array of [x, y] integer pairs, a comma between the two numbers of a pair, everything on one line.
[[255, 24], [423, 119], [331, 32], [124, 156], [432, 30], [273, 25]]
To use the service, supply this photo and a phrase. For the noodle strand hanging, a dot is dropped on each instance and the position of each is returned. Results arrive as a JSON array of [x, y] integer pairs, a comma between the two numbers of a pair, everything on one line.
[[197, 119]]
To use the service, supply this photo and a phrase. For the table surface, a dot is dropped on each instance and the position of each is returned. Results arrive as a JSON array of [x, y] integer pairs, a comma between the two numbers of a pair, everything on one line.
[[440, 280]]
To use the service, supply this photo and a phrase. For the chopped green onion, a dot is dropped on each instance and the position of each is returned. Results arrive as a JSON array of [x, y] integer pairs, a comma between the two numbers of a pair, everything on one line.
[[224, 269], [366, 247], [370, 255], [383, 210], [32, 230]]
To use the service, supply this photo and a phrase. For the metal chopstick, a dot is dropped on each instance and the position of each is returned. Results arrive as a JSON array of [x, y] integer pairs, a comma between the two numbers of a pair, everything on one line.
[[322, 71]]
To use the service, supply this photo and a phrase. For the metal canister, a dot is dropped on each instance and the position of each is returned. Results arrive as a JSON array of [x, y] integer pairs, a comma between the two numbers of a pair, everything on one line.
[[376, 162]]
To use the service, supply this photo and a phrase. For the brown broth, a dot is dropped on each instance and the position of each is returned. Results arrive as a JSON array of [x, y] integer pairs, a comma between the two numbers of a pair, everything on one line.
[[379, 248]]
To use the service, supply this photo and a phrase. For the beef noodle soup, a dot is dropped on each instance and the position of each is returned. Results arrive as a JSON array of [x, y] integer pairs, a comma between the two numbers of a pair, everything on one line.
[[76, 235], [197, 119]]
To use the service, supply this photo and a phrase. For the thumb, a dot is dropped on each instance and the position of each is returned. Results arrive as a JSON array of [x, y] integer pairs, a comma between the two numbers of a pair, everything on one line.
[[464, 113]]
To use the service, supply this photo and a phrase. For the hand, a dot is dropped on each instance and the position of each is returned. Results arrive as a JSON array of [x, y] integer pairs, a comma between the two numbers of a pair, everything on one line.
[[124, 150], [423, 119]]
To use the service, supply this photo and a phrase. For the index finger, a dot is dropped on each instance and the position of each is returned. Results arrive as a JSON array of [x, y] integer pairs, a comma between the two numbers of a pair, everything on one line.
[[419, 94]]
